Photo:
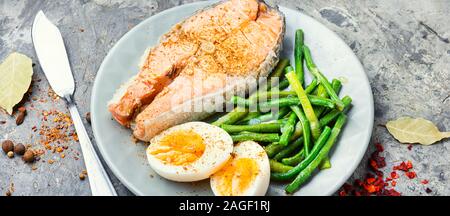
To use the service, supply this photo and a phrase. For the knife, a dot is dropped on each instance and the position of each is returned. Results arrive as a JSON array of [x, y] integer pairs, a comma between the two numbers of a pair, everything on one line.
[[52, 55]]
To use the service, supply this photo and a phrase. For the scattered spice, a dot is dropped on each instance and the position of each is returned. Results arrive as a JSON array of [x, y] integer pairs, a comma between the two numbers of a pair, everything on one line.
[[22, 109], [376, 161], [59, 149], [372, 184], [7, 146], [10, 154], [392, 192], [394, 175], [52, 94], [28, 157], [88, 117], [56, 130], [410, 147], [82, 176], [379, 147], [404, 166], [428, 190], [19, 149], [411, 175], [21, 116]]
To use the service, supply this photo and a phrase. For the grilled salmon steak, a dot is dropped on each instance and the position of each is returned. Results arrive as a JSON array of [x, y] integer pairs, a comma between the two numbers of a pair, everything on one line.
[[209, 55]]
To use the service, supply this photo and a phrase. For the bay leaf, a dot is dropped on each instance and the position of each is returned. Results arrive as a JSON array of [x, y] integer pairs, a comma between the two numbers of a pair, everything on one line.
[[415, 130], [15, 78]]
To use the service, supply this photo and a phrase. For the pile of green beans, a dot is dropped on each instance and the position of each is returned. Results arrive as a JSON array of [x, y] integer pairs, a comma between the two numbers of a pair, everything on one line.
[[298, 123]]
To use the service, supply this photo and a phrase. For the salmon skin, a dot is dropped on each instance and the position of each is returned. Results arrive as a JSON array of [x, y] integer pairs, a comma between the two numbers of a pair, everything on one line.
[[210, 55]]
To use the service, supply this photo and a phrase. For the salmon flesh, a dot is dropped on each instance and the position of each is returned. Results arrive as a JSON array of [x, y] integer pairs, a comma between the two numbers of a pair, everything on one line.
[[199, 63]]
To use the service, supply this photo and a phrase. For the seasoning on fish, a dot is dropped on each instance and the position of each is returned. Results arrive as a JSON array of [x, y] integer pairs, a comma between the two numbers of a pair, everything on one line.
[[235, 41]]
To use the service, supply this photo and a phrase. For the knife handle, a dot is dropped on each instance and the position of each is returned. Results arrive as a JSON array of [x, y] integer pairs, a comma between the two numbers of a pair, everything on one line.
[[98, 178]]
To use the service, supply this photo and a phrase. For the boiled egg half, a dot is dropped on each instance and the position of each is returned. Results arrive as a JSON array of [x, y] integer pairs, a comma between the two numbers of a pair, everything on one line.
[[246, 174], [189, 152]]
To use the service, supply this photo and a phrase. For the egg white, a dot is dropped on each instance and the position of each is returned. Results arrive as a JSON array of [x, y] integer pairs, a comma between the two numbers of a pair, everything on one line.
[[260, 184], [218, 149]]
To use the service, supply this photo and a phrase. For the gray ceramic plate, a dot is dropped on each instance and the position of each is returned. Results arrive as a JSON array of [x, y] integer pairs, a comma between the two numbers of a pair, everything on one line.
[[128, 161]]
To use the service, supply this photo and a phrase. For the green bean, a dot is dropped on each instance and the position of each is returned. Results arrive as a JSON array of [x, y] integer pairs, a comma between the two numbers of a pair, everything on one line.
[[321, 78], [315, 100], [276, 166], [282, 85], [336, 85], [273, 93], [297, 169], [270, 116], [273, 149], [325, 164], [239, 113], [294, 160], [312, 86], [281, 102], [320, 101], [258, 128], [304, 101], [298, 55], [309, 169], [240, 101], [232, 117], [288, 129], [250, 115], [278, 71], [258, 137], [305, 127], [333, 114], [289, 149], [321, 92], [281, 121], [298, 131]]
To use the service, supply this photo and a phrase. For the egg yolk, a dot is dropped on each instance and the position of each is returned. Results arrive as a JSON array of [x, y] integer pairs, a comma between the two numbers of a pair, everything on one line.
[[178, 148], [235, 178]]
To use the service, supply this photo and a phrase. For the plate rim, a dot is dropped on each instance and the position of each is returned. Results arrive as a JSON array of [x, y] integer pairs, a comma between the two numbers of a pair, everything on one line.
[[135, 191]]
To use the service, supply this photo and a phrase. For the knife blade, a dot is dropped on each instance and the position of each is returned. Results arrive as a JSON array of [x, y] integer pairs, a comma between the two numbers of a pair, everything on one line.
[[52, 55]]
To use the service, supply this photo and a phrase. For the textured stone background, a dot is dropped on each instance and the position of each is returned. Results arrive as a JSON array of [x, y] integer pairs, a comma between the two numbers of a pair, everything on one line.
[[403, 46]]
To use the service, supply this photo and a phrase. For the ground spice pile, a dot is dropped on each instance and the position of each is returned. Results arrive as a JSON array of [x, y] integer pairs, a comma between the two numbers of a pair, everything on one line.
[[55, 131], [374, 183]]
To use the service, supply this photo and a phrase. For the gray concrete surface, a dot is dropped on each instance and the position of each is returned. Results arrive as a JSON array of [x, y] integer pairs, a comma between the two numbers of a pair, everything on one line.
[[403, 45]]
